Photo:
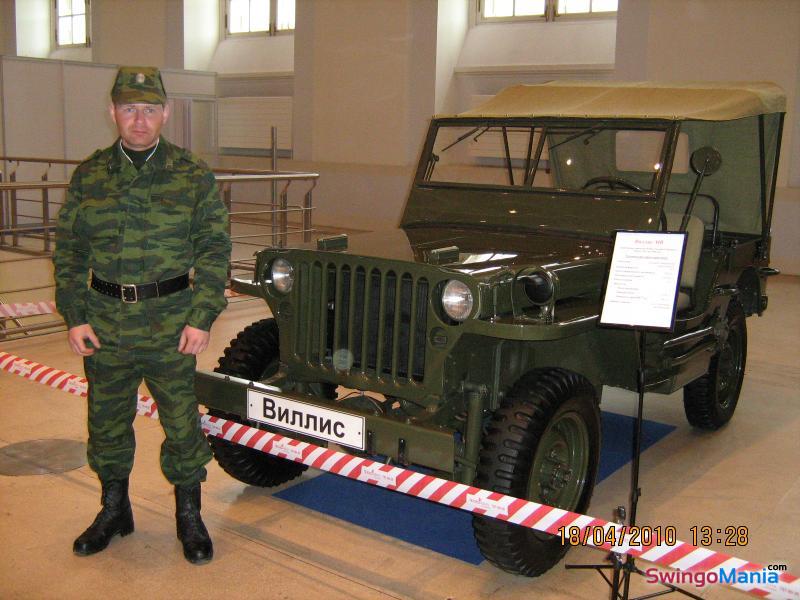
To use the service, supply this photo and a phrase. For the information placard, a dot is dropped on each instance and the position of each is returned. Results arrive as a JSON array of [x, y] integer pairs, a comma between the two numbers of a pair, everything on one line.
[[642, 287]]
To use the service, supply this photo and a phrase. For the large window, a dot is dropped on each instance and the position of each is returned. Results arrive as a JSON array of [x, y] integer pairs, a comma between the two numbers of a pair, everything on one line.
[[512, 10], [259, 16], [72, 20]]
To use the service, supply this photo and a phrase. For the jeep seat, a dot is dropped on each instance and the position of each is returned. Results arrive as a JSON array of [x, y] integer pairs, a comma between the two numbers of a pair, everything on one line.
[[691, 258]]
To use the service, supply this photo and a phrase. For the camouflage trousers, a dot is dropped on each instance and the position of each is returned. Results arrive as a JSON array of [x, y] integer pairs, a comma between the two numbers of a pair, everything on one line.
[[114, 377]]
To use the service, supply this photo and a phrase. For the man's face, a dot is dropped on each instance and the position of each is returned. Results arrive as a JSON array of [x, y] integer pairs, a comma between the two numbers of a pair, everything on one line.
[[139, 125]]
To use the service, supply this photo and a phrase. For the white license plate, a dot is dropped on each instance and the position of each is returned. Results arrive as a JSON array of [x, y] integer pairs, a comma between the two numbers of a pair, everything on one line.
[[308, 419]]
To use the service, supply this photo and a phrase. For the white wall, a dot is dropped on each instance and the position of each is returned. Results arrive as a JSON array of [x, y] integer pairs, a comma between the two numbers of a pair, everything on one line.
[[785, 253], [357, 89], [497, 55], [423, 32], [144, 32], [32, 107], [714, 40], [81, 54], [452, 25], [200, 33], [368, 75], [34, 119], [84, 104], [34, 32], [8, 26], [59, 109], [33, 28], [356, 196], [794, 167], [563, 42], [364, 90], [254, 54], [8, 46], [726, 40]]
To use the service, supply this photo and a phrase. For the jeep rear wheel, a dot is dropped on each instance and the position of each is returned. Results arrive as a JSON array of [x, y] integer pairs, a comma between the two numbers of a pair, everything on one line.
[[254, 355], [710, 401], [543, 445]]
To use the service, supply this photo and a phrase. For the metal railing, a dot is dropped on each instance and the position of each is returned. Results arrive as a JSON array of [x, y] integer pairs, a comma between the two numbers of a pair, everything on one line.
[[27, 222], [277, 209], [9, 202]]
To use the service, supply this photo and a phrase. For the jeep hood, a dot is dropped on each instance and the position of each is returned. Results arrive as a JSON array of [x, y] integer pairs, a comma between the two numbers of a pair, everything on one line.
[[475, 251]]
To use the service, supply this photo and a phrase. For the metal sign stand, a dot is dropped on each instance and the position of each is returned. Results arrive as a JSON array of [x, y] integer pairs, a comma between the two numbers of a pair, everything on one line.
[[621, 567]]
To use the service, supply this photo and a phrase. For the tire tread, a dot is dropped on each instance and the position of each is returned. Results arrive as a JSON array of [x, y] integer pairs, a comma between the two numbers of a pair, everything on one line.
[[700, 402], [248, 356], [505, 462]]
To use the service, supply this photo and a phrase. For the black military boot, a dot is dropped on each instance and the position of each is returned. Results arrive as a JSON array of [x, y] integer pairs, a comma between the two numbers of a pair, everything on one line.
[[192, 533], [115, 518]]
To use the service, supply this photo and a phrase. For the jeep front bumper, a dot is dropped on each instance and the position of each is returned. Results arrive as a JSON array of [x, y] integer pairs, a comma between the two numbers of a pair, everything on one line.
[[306, 417]]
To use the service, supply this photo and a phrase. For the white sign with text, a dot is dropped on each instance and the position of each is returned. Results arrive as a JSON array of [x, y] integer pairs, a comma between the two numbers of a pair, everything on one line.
[[643, 281]]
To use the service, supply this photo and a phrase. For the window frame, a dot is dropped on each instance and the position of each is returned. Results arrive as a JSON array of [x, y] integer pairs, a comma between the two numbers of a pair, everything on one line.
[[87, 23], [661, 177], [550, 15], [272, 30]]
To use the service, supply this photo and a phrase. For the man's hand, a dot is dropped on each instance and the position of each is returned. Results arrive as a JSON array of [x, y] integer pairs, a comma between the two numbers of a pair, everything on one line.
[[193, 340], [78, 336]]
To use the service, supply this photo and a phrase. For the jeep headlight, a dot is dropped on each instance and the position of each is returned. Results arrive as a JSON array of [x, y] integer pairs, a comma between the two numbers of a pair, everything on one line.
[[282, 274], [457, 300], [538, 287]]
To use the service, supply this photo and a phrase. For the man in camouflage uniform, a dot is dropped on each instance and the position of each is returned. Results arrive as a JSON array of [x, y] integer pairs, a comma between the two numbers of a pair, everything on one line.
[[138, 216]]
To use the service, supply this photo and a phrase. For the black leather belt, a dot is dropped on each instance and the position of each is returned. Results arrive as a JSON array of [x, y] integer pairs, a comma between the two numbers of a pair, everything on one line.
[[130, 292]]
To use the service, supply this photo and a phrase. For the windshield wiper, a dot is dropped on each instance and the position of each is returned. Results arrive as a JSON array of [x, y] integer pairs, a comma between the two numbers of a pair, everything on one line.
[[593, 130], [463, 137]]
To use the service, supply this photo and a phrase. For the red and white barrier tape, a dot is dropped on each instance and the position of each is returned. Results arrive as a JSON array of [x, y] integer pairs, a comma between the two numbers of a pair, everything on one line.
[[27, 309], [548, 519], [62, 380], [31, 309]]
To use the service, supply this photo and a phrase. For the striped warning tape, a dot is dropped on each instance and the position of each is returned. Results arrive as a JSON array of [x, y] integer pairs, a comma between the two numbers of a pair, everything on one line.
[[62, 380], [27, 309], [32, 309], [548, 519]]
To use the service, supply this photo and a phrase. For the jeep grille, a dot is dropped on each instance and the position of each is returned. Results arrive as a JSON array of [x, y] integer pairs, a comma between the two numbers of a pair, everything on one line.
[[362, 319]]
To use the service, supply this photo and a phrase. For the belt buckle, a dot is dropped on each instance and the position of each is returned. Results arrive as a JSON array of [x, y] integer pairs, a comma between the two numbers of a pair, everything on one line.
[[126, 297]]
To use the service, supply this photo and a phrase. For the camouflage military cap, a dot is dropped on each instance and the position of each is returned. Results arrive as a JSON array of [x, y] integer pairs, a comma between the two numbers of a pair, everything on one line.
[[138, 85]]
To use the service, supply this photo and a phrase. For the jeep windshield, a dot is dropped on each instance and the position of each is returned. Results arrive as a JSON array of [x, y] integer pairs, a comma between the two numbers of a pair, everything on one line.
[[580, 156], [579, 176]]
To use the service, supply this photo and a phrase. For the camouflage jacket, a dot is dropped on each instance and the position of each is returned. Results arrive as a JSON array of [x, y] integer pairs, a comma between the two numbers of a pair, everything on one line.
[[130, 226]]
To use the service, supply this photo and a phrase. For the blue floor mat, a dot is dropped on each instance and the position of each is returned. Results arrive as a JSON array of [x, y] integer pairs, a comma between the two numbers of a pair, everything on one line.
[[434, 526]]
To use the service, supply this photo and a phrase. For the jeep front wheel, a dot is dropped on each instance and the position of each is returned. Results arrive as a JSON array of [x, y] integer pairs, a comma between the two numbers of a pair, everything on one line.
[[253, 355], [710, 401], [543, 444]]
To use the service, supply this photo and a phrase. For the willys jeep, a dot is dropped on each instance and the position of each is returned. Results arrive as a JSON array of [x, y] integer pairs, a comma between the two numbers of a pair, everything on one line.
[[467, 341]]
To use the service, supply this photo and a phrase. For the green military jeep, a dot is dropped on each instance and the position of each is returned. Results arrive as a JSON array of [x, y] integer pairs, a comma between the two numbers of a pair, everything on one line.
[[467, 342]]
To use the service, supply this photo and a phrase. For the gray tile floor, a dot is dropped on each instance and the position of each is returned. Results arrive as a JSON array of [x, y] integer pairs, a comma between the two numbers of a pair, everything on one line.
[[746, 474]]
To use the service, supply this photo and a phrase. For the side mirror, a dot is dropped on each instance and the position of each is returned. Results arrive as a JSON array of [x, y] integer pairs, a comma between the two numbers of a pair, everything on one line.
[[706, 160]]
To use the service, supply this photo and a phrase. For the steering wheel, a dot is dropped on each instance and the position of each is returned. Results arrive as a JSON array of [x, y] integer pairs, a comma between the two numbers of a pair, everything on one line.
[[612, 183]]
